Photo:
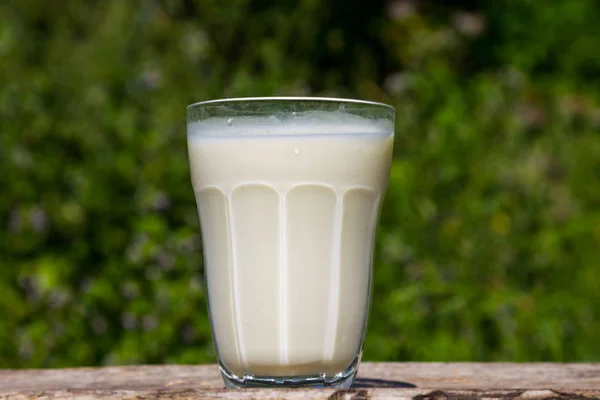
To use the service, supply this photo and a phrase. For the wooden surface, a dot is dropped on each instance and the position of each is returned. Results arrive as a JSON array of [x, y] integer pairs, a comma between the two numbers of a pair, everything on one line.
[[419, 381]]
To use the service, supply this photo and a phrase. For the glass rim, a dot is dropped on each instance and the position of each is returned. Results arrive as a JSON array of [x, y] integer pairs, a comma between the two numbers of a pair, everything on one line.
[[218, 102]]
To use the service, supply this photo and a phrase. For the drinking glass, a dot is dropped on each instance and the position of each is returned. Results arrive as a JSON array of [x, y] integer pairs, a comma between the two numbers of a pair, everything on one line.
[[288, 193]]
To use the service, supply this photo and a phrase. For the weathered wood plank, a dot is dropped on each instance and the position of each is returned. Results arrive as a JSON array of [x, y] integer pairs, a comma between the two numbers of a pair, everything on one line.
[[419, 381]]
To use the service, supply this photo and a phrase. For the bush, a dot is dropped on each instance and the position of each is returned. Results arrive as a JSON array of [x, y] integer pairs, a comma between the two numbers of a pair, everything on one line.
[[488, 242]]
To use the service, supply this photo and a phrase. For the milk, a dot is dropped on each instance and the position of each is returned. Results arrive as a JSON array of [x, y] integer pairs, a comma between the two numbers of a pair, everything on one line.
[[288, 210]]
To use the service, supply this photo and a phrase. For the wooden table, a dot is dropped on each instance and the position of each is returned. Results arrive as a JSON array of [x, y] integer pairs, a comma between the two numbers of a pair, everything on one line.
[[419, 381]]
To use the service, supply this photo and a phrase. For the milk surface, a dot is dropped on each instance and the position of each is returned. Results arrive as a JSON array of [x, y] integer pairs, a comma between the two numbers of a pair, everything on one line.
[[288, 211]]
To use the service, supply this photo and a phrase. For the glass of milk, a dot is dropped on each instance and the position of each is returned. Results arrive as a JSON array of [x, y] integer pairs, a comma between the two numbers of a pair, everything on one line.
[[288, 193]]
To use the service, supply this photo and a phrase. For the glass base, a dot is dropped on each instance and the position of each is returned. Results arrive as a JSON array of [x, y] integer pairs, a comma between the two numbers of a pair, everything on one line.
[[343, 380]]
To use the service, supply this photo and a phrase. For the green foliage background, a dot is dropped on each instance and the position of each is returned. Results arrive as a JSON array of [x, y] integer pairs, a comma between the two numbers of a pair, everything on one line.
[[488, 247]]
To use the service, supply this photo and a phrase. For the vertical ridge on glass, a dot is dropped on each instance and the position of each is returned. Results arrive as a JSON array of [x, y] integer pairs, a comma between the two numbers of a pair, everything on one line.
[[334, 294], [283, 328], [234, 283]]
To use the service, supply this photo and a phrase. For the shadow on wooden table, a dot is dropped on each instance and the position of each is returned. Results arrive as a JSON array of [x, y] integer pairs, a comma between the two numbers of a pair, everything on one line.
[[381, 383]]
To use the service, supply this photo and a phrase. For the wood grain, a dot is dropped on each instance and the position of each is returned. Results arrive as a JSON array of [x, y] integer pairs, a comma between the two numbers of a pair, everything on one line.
[[419, 381]]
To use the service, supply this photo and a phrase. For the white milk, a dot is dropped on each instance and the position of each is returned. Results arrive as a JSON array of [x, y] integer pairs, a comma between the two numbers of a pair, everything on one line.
[[288, 212]]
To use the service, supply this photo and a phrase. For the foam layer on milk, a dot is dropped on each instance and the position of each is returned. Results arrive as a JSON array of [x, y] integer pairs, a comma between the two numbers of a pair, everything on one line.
[[306, 123]]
